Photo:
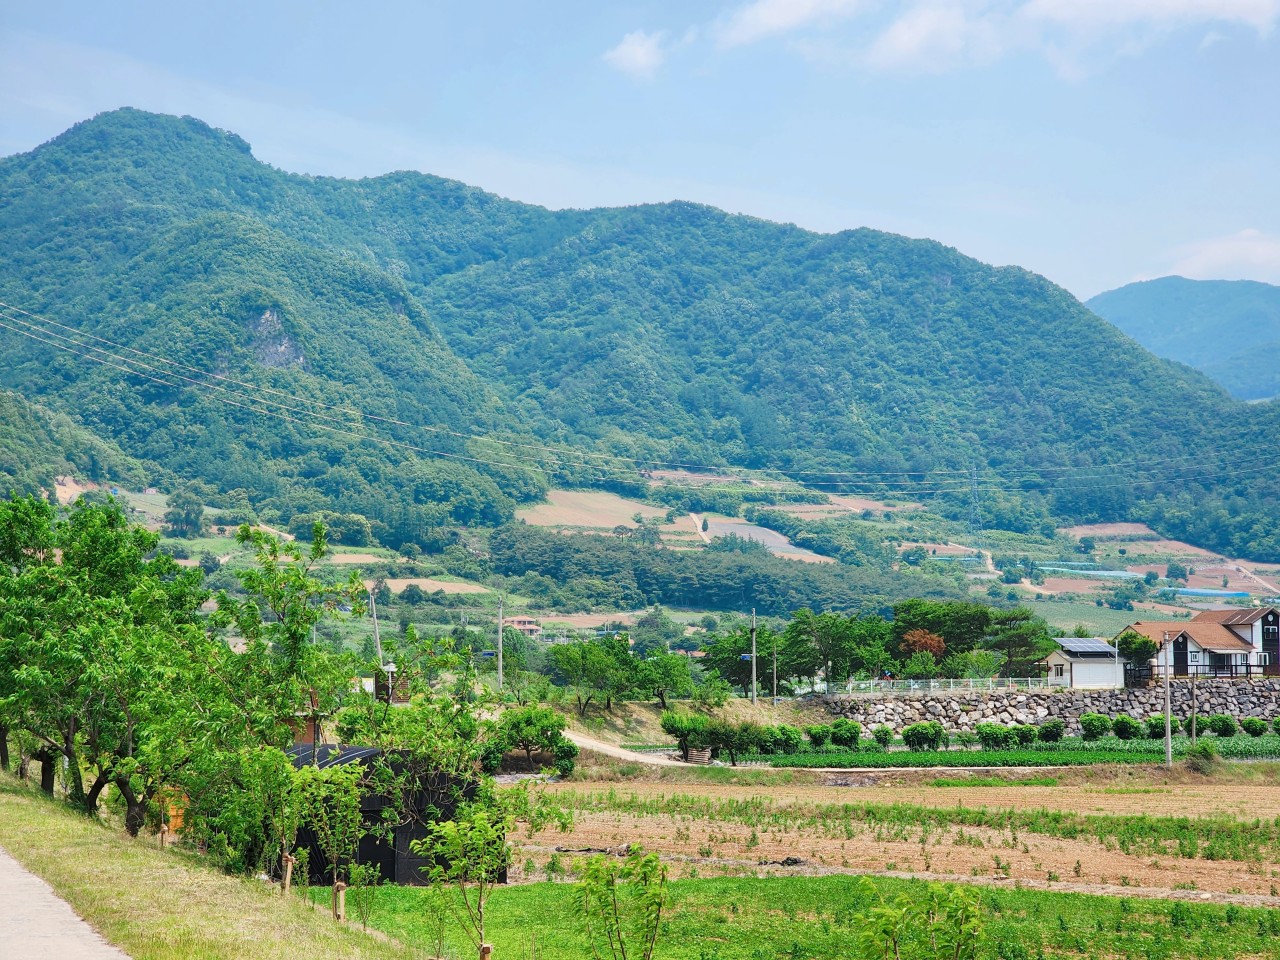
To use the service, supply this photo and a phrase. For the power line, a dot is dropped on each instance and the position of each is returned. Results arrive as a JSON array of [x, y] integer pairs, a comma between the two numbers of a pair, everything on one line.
[[962, 474], [927, 486]]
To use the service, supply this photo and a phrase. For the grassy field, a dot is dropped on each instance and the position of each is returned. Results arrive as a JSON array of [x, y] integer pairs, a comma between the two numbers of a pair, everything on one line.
[[818, 917], [168, 905]]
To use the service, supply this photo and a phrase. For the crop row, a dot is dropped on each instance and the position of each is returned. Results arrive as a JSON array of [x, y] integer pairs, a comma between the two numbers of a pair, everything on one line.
[[1209, 838]]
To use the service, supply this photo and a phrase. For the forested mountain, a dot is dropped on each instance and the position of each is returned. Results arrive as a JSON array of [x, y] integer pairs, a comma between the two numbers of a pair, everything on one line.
[[37, 446], [1229, 329], [671, 332]]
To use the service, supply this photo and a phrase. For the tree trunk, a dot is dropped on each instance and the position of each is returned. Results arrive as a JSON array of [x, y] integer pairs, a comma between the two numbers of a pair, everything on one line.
[[4, 747], [135, 810], [47, 770], [95, 791], [528, 755]]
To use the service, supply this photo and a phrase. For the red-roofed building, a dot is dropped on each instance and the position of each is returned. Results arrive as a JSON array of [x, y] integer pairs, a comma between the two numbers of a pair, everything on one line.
[[1218, 643]]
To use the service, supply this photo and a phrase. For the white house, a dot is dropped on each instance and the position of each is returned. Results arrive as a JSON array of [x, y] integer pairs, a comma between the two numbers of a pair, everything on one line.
[[1217, 643], [1084, 663]]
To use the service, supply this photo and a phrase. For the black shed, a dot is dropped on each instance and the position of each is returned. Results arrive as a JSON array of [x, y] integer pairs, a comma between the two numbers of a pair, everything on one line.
[[396, 862]]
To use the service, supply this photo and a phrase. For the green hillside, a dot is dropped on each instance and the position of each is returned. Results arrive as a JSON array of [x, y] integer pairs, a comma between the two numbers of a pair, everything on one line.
[[1229, 329], [37, 446], [420, 312]]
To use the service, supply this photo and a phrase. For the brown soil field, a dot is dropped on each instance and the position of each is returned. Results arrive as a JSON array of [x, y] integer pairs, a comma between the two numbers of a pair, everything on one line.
[[586, 508], [356, 558], [1109, 530], [858, 504], [396, 584], [755, 844], [68, 489]]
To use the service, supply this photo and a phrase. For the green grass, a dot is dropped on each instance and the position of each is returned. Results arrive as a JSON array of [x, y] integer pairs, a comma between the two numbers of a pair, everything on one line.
[[1100, 621], [167, 905], [817, 917], [994, 782]]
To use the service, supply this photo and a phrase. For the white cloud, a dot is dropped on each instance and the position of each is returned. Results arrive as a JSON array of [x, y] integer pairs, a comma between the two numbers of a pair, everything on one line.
[[1092, 14], [1247, 255], [767, 18], [935, 36], [640, 54]]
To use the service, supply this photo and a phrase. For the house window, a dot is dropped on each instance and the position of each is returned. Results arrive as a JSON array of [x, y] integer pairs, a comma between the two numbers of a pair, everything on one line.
[[1057, 670], [1195, 656]]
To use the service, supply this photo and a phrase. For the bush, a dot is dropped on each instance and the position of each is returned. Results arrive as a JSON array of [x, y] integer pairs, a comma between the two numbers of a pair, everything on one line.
[[846, 733], [1203, 758], [883, 735], [788, 739], [1155, 726], [1051, 731], [1026, 733], [1094, 726], [688, 729], [819, 734], [995, 736], [1254, 726], [1221, 725], [1276, 724], [1127, 728], [927, 735]]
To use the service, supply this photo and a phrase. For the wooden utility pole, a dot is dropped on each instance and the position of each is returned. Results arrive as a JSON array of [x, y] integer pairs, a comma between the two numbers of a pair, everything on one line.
[[499, 642], [753, 656], [775, 668], [377, 639], [1168, 712]]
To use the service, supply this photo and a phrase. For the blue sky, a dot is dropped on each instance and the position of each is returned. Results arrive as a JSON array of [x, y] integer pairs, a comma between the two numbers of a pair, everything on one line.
[[1093, 141]]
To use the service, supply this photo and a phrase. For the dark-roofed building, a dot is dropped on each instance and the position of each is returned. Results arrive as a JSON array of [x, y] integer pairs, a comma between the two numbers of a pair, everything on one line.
[[434, 799], [1084, 663]]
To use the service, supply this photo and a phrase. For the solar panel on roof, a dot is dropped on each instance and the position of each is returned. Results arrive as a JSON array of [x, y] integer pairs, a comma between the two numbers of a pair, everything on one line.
[[1086, 645]]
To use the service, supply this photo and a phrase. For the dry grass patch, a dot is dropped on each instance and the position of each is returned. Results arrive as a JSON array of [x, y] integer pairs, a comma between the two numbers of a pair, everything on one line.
[[168, 905]]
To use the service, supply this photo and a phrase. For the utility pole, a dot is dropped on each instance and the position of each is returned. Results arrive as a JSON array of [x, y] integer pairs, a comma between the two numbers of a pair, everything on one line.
[[775, 668], [1193, 703], [377, 639], [1168, 713], [499, 641], [753, 656]]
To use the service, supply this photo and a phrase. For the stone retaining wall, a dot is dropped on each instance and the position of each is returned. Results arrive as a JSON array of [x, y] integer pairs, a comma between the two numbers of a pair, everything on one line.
[[964, 711]]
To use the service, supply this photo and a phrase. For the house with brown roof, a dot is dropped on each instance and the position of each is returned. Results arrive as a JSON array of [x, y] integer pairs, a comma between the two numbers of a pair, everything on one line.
[[1216, 643], [526, 625]]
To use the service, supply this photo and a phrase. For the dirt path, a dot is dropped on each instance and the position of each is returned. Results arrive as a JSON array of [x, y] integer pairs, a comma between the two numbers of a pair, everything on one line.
[[35, 922], [587, 742], [697, 525]]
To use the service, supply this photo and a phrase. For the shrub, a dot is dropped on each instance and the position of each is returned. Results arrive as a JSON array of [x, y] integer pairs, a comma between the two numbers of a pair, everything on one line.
[[1276, 724], [1221, 725], [1127, 728], [883, 735], [1025, 733], [995, 736], [1051, 731], [1094, 726], [1155, 726], [819, 734], [1254, 726], [927, 735], [688, 729], [846, 733], [1202, 758], [788, 739]]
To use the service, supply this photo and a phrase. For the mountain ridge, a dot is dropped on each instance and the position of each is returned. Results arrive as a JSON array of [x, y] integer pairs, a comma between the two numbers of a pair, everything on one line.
[[666, 333]]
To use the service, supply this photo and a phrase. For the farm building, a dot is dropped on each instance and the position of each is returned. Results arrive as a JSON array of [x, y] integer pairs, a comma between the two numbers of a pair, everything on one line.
[[436, 798], [1085, 663]]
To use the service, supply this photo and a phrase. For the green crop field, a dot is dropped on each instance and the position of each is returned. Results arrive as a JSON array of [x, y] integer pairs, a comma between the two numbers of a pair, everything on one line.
[[819, 917]]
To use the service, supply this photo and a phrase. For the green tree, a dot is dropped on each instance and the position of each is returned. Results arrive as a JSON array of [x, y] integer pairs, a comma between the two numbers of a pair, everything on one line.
[[185, 516], [621, 904]]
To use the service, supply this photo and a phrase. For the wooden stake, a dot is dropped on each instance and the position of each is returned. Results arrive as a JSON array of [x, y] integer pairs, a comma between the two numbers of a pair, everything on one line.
[[340, 902], [289, 860]]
